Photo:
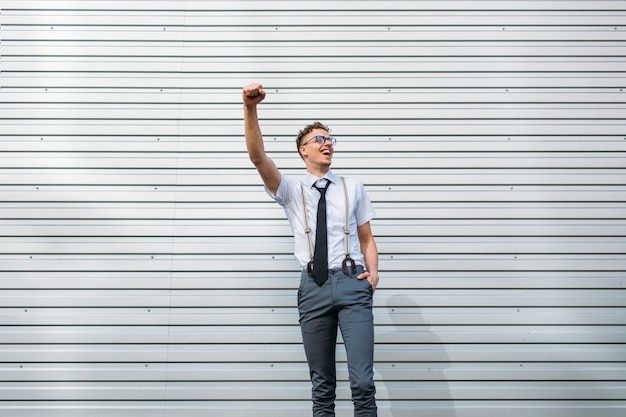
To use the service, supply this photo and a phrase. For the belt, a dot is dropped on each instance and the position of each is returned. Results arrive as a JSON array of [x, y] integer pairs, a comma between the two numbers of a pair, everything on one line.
[[357, 270]]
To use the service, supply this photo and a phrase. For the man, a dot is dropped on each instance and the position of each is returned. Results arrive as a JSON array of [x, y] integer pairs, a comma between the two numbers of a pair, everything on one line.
[[338, 278]]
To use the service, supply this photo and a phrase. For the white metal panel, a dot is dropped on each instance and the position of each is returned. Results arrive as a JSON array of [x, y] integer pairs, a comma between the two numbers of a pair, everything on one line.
[[145, 272]]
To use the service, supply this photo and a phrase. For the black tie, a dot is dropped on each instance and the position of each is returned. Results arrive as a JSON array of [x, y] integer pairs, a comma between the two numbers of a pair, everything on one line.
[[320, 257]]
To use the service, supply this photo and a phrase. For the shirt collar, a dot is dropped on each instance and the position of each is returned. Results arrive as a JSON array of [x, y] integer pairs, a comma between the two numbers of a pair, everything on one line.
[[310, 179]]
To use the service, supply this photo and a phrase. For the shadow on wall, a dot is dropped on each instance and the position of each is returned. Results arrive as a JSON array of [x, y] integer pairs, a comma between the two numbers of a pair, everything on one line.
[[420, 386]]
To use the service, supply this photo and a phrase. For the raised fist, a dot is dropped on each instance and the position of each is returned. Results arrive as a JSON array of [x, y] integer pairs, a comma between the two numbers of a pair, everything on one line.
[[253, 94]]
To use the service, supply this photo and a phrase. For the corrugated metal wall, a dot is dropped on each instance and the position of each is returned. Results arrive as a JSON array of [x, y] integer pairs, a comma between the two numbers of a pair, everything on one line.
[[144, 272]]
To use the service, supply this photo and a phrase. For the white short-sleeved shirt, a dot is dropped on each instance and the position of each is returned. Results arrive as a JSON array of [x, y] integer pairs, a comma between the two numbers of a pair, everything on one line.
[[289, 196]]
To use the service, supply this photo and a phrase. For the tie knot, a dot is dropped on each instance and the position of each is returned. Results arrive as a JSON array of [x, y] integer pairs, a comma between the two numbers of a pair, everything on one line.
[[322, 185]]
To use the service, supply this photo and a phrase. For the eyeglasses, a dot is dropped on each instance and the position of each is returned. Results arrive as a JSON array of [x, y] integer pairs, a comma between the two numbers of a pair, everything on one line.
[[321, 140]]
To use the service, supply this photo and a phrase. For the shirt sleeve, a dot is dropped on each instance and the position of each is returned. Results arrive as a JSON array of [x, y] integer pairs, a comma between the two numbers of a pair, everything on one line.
[[285, 191], [364, 210]]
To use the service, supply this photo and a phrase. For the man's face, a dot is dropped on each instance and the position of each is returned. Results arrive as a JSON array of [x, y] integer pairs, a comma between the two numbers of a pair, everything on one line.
[[315, 152]]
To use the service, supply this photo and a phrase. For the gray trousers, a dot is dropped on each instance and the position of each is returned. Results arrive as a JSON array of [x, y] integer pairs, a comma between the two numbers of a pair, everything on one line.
[[343, 302]]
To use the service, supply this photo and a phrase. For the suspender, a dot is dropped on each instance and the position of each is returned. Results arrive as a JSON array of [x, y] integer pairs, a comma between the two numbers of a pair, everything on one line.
[[346, 233]]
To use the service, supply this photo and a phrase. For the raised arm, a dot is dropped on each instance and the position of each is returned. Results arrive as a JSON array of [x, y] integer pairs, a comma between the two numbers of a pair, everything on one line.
[[253, 94]]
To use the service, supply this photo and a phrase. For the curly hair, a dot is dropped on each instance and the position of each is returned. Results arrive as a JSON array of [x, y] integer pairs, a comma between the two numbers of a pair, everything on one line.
[[306, 130]]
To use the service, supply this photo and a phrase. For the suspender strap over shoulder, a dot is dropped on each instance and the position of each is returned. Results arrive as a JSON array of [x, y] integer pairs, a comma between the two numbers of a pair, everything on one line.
[[346, 234]]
